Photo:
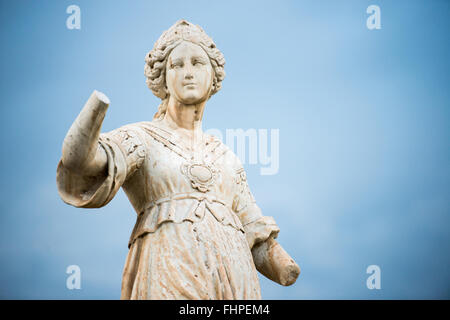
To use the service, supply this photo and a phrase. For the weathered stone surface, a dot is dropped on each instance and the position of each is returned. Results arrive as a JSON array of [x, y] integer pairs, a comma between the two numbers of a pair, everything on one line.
[[199, 233]]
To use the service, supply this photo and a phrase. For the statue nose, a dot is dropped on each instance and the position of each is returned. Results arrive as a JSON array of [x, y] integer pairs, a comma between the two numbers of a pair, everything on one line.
[[188, 72]]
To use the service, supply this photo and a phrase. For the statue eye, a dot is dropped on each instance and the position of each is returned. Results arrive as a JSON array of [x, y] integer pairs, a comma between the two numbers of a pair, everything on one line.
[[176, 65], [197, 63]]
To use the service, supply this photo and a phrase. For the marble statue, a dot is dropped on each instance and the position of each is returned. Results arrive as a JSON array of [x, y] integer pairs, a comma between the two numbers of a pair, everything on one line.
[[199, 233]]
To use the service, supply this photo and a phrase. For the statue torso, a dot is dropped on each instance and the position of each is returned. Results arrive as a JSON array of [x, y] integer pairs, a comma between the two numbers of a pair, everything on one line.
[[172, 181]]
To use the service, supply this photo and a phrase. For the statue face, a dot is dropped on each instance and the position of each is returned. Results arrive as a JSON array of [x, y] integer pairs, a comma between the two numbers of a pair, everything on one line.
[[189, 73]]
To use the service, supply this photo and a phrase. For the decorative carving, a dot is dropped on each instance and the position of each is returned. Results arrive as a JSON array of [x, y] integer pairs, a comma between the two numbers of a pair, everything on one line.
[[202, 175], [132, 145]]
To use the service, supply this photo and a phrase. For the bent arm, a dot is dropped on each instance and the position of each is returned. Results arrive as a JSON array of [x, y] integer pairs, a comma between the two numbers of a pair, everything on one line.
[[81, 151]]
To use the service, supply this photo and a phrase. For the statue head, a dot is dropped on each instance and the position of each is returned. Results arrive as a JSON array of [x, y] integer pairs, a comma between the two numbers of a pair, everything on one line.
[[182, 53]]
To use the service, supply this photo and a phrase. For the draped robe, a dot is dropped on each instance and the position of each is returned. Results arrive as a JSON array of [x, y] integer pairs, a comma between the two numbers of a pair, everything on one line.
[[196, 217]]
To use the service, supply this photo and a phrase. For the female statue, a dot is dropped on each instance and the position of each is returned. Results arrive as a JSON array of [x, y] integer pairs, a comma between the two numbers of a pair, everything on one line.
[[199, 233]]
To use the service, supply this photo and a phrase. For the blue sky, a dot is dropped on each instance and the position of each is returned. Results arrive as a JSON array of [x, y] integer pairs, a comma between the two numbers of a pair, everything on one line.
[[363, 115]]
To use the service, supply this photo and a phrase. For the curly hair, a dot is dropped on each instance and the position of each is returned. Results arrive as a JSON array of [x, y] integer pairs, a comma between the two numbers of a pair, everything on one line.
[[156, 59]]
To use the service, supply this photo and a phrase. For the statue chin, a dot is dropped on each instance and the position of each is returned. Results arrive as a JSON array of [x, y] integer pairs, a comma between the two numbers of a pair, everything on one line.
[[191, 98]]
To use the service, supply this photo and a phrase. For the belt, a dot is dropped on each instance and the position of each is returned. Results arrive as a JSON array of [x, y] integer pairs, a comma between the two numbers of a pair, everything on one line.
[[189, 195]]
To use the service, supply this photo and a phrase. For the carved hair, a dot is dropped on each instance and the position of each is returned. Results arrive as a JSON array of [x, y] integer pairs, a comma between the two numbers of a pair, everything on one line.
[[156, 59]]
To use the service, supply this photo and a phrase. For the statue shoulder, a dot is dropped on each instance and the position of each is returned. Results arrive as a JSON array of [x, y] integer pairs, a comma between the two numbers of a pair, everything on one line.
[[225, 152], [130, 138]]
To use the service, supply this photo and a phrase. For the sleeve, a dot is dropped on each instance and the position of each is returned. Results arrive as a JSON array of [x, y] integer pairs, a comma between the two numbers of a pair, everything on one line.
[[258, 228], [125, 151]]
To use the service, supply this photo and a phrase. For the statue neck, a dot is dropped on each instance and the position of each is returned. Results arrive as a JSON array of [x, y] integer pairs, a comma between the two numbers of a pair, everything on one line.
[[184, 119]]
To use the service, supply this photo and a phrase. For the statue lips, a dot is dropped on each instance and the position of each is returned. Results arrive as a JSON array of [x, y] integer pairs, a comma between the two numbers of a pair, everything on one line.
[[189, 84]]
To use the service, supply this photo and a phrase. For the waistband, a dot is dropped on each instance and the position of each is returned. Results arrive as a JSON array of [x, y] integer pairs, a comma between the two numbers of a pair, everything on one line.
[[200, 196], [166, 210]]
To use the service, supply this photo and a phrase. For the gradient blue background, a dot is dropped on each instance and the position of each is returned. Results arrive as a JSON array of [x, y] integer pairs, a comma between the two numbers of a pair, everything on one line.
[[364, 137]]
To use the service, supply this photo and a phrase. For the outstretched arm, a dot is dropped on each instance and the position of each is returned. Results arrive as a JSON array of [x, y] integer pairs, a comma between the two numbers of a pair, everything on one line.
[[81, 152], [95, 165]]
